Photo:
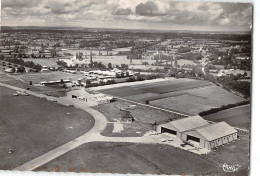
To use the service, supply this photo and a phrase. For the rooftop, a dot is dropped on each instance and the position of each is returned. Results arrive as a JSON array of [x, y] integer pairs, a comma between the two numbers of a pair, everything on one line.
[[216, 130], [189, 123]]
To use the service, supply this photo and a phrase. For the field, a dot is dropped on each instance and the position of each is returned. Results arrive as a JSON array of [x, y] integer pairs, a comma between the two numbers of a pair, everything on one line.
[[47, 90], [144, 118], [49, 76], [156, 88], [182, 95], [32, 126], [238, 117], [150, 159], [128, 158], [197, 100]]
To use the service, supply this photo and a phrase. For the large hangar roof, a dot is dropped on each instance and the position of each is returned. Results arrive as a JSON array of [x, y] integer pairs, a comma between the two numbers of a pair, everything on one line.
[[189, 123], [216, 130]]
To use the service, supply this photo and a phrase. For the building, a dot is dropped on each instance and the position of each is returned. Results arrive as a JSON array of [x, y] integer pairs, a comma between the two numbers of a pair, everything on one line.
[[200, 132], [92, 97], [126, 116]]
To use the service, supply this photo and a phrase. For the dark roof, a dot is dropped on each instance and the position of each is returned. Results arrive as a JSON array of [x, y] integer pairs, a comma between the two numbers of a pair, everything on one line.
[[126, 114]]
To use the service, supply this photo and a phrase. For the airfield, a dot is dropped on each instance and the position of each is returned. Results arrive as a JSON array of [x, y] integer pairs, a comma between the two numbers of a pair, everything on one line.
[[47, 135]]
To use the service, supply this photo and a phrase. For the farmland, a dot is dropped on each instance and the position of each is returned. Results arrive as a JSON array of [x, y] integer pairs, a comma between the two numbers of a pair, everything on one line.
[[32, 126], [239, 116], [182, 95]]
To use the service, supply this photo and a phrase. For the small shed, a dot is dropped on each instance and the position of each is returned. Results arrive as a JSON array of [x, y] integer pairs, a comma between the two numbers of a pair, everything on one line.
[[126, 116]]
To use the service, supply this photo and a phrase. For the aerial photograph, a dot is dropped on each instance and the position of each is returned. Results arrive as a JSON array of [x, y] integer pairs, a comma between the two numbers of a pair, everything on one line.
[[126, 86]]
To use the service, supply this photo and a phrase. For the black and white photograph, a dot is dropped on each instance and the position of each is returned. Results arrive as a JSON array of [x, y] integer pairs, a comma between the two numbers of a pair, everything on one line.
[[126, 87]]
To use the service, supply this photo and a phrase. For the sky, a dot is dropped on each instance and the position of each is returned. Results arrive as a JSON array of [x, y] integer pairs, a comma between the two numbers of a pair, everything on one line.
[[129, 14]]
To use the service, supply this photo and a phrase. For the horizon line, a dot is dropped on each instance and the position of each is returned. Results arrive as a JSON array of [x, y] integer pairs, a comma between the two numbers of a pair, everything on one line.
[[163, 30]]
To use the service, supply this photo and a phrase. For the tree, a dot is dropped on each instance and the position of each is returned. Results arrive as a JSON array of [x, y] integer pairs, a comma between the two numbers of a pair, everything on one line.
[[61, 81], [18, 69], [175, 63], [30, 83], [13, 69], [22, 69], [245, 74], [88, 81], [109, 65]]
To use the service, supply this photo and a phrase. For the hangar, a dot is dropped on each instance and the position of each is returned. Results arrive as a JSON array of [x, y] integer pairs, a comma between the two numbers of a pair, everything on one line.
[[200, 132]]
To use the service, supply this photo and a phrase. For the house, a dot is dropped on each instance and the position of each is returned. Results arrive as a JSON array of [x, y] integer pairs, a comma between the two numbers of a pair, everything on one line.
[[200, 132], [126, 116]]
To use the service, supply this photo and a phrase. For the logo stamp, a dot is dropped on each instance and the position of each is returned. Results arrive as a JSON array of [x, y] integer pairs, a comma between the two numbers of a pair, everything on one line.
[[230, 168]]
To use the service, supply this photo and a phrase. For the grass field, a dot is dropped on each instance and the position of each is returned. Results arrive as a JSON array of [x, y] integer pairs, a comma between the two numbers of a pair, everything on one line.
[[144, 118], [50, 76], [47, 90], [175, 86], [238, 117], [150, 159], [156, 88], [128, 158], [32, 126], [196, 100], [187, 96]]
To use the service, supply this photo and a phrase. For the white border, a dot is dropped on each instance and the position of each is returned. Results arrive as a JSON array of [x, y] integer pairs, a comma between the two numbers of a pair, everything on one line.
[[255, 120]]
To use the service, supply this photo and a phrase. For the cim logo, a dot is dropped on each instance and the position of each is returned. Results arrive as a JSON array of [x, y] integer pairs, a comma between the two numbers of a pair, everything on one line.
[[230, 168]]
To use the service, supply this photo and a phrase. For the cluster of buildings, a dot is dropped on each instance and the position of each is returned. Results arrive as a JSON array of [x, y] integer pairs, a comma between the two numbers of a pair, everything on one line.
[[90, 97]]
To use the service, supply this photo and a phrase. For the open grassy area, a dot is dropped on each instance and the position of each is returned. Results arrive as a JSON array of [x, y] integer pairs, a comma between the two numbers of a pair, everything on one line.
[[162, 87], [47, 90], [194, 101], [151, 159], [32, 126], [236, 152], [175, 86], [238, 116], [49, 76], [185, 103], [144, 118], [129, 158], [187, 96]]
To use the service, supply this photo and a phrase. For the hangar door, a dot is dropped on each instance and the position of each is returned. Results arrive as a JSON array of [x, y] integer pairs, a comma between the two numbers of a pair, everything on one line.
[[193, 138], [165, 130]]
